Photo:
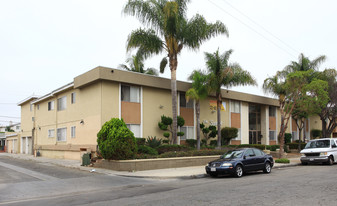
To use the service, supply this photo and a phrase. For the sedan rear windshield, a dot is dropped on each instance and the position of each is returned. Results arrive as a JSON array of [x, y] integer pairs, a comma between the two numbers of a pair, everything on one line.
[[318, 144]]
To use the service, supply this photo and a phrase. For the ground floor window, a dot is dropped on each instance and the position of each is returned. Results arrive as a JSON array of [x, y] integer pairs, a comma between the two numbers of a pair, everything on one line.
[[272, 135], [188, 133], [294, 136], [62, 134], [135, 128]]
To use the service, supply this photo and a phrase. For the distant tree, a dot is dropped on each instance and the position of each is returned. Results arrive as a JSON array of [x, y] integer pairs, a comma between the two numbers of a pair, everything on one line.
[[8, 129], [136, 64], [222, 73], [197, 92]]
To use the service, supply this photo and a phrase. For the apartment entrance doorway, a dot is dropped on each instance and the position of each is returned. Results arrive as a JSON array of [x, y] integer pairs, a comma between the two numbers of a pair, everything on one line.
[[254, 124]]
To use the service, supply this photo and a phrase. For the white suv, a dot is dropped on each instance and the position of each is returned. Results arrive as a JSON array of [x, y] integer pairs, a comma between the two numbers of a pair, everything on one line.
[[320, 151]]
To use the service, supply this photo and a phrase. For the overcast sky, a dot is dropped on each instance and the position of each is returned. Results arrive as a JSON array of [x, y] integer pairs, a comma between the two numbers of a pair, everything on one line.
[[45, 44]]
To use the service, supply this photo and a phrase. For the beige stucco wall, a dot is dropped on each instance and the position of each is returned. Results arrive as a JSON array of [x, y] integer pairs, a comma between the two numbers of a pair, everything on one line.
[[26, 119], [87, 108], [110, 101], [314, 123], [156, 102]]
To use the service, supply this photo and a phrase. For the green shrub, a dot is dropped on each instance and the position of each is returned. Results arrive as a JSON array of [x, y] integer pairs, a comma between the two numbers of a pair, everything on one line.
[[165, 141], [282, 160], [316, 133], [153, 142], [191, 142], [203, 142], [227, 134], [171, 148], [207, 147], [213, 143], [143, 149], [191, 153], [272, 147], [140, 141], [287, 138], [295, 145], [116, 141]]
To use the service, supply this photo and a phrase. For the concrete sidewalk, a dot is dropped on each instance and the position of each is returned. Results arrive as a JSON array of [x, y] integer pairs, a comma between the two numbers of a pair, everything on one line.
[[174, 173]]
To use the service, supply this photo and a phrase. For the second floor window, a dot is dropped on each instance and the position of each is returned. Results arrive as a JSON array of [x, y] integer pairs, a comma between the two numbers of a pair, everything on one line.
[[183, 102], [73, 98], [50, 105], [62, 103], [272, 111], [235, 106], [130, 93]]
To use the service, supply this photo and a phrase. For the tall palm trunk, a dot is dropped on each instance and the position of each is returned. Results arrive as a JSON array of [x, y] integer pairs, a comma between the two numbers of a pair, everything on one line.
[[197, 113], [218, 106], [173, 66]]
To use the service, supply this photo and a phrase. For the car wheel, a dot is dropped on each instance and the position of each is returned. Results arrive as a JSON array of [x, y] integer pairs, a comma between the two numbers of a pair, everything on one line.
[[304, 163], [330, 161], [238, 171], [267, 168], [213, 174]]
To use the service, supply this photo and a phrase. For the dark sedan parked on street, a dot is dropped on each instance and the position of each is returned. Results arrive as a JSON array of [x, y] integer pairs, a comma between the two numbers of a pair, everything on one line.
[[238, 161]]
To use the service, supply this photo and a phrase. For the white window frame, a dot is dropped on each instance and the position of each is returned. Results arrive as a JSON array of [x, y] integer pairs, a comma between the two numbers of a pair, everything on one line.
[[188, 133], [73, 131], [73, 98], [133, 90], [62, 134], [62, 103], [132, 128], [274, 138], [51, 105], [51, 133], [235, 107]]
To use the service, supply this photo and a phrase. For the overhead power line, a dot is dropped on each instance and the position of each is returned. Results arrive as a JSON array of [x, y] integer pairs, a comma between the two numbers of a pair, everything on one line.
[[254, 30]]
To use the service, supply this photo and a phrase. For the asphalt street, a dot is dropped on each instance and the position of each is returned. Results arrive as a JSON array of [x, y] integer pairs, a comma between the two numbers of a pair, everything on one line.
[[31, 183]]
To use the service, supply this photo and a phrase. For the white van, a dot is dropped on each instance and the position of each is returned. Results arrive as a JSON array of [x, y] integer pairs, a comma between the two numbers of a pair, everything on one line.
[[320, 151]]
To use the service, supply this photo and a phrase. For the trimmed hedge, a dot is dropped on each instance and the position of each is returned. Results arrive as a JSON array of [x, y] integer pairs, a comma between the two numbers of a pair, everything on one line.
[[143, 149], [191, 142], [171, 148], [272, 147], [295, 145], [258, 146], [282, 160], [140, 141], [191, 153]]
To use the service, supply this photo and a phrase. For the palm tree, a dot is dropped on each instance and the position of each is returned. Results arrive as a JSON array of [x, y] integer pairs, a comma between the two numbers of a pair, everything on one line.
[[169, 32], [303, 64], [221, 73], [136, 64], [197, 92]]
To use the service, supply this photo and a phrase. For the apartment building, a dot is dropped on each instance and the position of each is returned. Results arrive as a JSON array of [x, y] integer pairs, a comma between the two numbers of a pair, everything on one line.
[[66, 121]]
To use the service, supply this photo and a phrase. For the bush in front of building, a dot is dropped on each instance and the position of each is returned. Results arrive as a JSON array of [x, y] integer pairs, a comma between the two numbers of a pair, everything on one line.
[[143, 149], [165, 124], [287, 138], [228, 133], [116, 141], [213, 143], [191, 143], [258, 146], [171, 148], [191, 153], [140, 141], [316, 133], [295, 145], [272, 147]]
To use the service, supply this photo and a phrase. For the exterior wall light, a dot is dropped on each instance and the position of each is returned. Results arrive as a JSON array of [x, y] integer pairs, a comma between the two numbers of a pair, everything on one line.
[[82, 122]]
